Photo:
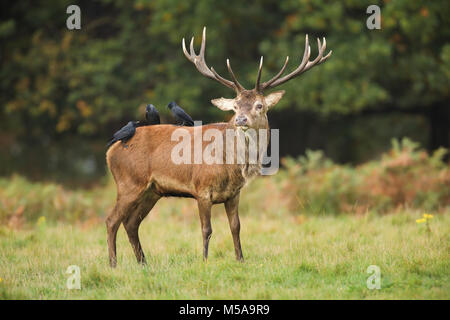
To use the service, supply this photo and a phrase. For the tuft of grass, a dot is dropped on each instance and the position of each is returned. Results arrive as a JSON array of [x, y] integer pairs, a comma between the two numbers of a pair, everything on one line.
[[318, 257]]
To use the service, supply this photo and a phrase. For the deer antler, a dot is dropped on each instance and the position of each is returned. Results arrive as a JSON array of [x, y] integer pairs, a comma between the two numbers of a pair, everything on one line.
[[202, 67], [304, 66]]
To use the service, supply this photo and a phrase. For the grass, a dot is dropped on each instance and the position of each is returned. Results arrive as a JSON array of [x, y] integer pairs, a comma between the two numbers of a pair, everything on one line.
[[287, 257], [308, 232]]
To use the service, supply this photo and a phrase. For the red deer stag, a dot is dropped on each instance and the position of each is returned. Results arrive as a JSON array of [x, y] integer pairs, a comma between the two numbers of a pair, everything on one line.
[[144, 172]]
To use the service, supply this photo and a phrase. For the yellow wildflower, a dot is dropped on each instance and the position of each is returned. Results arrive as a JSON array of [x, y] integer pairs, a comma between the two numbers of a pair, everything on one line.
[[1, 280], [427, 216], [41, 221], [421, 220]]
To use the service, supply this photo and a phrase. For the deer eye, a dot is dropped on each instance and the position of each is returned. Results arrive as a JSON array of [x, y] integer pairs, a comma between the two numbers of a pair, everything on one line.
[[259, 106]]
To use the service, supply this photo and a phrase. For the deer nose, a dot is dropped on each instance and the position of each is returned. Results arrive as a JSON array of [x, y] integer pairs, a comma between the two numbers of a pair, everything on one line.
[[241, 120]]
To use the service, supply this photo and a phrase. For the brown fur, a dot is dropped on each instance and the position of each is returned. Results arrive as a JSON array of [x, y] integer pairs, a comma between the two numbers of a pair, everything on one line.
[[144, 172]]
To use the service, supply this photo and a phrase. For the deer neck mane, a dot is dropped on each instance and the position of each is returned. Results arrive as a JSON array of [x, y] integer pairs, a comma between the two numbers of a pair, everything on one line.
[[250, 170]]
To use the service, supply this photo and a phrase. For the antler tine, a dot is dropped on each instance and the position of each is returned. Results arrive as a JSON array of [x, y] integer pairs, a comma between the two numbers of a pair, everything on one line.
[[239, 87], [202, 48], [202, 67], [191, 47], [268, 83], [321, 47], [258, 77], [183, 45], [326, 57], [222, 80], [306, 54], [304, 65], [329, 53]]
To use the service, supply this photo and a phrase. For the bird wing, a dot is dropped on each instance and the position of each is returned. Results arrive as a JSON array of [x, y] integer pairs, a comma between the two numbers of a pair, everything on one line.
[[152, 116], [125, 132], [183, 116], [156, 119]]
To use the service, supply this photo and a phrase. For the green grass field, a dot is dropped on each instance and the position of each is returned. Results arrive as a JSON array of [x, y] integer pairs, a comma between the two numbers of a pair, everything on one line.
[[287, 257]]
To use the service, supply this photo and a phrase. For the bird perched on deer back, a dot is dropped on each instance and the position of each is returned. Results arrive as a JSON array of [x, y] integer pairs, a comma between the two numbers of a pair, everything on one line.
[[152, 115], [125, 133], [180, 115]]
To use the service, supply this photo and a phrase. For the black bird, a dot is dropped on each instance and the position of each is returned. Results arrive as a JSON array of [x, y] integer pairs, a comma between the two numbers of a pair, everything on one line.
[[181, 116], [152, 115], [125, 133]]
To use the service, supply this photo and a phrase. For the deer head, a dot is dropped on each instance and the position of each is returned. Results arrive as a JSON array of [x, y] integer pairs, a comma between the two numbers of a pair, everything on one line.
[[251, 106]]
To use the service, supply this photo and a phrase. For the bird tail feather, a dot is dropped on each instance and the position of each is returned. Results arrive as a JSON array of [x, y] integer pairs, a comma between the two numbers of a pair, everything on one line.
[[110, 143]]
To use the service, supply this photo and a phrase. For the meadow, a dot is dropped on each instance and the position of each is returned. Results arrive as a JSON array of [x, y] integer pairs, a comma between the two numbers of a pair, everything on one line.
[[323, 257], [309, 232]]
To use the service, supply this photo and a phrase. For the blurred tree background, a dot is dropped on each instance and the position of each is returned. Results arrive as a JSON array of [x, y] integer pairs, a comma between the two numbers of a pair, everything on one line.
[[64, 92]]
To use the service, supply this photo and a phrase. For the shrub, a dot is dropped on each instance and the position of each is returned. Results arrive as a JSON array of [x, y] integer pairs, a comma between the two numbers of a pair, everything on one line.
[[404, 177]]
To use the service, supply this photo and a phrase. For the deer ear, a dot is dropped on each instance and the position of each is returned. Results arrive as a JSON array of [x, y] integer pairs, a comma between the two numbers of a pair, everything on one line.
[[223, 104], [273, 98]]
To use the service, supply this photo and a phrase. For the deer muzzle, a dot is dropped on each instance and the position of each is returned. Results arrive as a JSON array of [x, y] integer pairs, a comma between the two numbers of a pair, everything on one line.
[[241, 121]]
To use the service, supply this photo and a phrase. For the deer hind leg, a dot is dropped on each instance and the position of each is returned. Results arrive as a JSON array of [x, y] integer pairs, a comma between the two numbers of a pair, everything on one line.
[[125, 205], [204, 208], [113, 222], [232, 209], [133, 221], [112, 225]]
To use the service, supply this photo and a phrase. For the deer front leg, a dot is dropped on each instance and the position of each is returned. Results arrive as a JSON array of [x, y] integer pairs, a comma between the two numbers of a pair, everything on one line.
[[204, 208], [232, 209]]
